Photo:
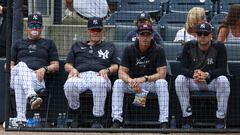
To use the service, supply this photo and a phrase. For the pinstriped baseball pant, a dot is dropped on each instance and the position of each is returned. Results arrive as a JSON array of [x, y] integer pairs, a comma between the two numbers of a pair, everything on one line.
[[221, 85], [87, 81], [160, 87], [25, 83]]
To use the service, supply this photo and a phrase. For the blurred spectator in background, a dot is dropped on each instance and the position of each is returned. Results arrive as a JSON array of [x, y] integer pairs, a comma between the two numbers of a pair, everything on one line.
[[78, 11], [146, 19], [195, 16], [3, 27], [229, 31]]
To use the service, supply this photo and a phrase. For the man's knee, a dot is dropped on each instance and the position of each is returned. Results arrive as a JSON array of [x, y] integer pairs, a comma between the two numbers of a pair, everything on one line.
[[118, 85], [223, 82], [100, 81], [68, 86], [180, 80], [161, 83]]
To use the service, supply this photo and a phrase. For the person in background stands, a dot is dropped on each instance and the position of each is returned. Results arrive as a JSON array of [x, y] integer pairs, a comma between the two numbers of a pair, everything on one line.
[[143, 18], [229, 31], [79, 11], [195, 16]]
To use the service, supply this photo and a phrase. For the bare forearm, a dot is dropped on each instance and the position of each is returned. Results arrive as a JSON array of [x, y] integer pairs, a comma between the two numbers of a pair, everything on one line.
[[156, 76], [113, 68], [53, 67], [161, 74], [124, 76], [68, 67], [12, 64]]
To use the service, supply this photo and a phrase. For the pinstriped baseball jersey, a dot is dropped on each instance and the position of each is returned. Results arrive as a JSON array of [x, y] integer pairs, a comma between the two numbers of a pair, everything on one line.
[[92, 58]]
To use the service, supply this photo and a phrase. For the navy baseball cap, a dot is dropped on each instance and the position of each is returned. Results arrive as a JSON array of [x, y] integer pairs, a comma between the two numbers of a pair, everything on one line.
[[95, 23], [204, 27], [143, 16], [35, 18], [145, 28]]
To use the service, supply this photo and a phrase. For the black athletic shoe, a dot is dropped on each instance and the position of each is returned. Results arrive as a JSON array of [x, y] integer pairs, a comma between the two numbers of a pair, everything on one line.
[[75, 118], [220, 123], [116, 124], [164, 125], [187, 122], [35, 102], [97, 122]]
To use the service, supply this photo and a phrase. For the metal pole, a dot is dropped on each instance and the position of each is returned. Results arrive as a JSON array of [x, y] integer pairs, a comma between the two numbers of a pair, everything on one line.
[[17, 23], [8, 47]]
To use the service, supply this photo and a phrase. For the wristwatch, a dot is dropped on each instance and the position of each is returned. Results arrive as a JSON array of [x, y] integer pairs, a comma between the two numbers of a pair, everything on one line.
[[46, 68], [208, 75], [146, 78]]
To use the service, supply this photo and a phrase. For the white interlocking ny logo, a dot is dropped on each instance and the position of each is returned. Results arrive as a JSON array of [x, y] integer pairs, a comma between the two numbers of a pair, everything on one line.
[[102, 54], [35, 17], [142, 15], [202, 26], [210, 61], [95, 22]]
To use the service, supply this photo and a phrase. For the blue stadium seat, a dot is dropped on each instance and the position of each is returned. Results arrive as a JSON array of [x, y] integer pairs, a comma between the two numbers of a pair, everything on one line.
[[170, 23], [121, 31], [120, 46], [119, 17], [225, 5], [216, 21], [172, 49], [233, 50], [183, 6], [114, 5], [148, 6]]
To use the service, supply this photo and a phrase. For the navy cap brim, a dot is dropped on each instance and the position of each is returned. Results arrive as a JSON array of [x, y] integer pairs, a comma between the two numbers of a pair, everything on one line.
[[145, 31], [204, 31], [96, 27]]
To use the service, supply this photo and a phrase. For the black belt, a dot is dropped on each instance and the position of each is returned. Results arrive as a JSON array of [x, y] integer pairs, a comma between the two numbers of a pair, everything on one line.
[[87, 17], [82, 16]]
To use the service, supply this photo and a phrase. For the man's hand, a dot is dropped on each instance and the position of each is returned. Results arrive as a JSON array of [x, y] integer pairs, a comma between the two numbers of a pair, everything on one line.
[[199, 76], [135, 83], [1, 10], [73, 73], [40, 74], [104, 73]]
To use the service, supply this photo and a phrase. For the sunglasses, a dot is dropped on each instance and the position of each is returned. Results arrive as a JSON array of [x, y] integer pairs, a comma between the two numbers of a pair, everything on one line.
[[203, 33], [95, 30], [145, 33], [34, 25], [144, 21]]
